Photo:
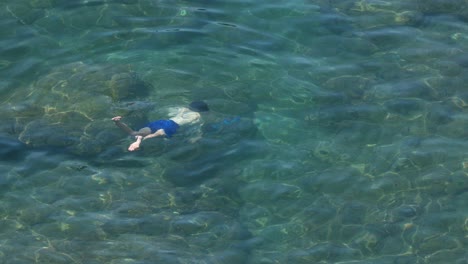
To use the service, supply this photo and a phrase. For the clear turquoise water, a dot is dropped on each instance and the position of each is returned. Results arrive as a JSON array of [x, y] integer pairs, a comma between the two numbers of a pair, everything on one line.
[[337, 132]]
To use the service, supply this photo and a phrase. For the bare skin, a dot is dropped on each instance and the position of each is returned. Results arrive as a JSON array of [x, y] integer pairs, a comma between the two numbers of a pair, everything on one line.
[[182, 116], [135, 145], [185, 116]]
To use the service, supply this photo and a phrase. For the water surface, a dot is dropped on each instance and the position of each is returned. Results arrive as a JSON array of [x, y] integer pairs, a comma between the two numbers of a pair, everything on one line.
[[336, 132]]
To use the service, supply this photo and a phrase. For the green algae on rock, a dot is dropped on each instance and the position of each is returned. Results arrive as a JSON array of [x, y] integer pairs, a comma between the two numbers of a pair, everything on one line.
[[68, 107]]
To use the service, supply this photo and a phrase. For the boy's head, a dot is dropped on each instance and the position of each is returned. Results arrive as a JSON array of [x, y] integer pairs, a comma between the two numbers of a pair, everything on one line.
[[199, 106]]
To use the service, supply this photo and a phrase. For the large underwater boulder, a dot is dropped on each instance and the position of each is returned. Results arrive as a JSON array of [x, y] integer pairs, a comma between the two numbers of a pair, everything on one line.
[[70, 107]]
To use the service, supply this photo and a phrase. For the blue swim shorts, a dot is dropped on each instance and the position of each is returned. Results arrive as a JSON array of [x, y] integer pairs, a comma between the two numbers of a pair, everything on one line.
[[170, 127]]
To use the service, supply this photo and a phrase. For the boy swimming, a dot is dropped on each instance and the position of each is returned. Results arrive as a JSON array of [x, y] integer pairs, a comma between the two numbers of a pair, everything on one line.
[[181, 116]]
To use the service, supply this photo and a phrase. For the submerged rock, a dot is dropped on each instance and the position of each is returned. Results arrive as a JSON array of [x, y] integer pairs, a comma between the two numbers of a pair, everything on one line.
[[10, 148], [409, 18], [69, 107], [443, 7], [352, 86]]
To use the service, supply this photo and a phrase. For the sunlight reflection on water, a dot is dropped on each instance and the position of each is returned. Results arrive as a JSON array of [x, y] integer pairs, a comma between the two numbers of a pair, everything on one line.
[[336, 132]]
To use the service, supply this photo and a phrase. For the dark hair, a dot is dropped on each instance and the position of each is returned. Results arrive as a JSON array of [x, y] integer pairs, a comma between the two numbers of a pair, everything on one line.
[[199, 106]]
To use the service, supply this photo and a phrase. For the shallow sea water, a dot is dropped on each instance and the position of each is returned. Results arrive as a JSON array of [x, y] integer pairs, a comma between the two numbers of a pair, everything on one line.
[[337, 131]]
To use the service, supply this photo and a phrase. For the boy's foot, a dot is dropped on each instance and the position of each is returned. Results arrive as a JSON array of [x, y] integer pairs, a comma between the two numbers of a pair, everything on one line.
[[116, 119], [135, 145]]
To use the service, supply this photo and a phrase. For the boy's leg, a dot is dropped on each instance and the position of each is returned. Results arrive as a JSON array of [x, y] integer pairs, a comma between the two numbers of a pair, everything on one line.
[[142, 132], [123, 126], [138, 134]]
